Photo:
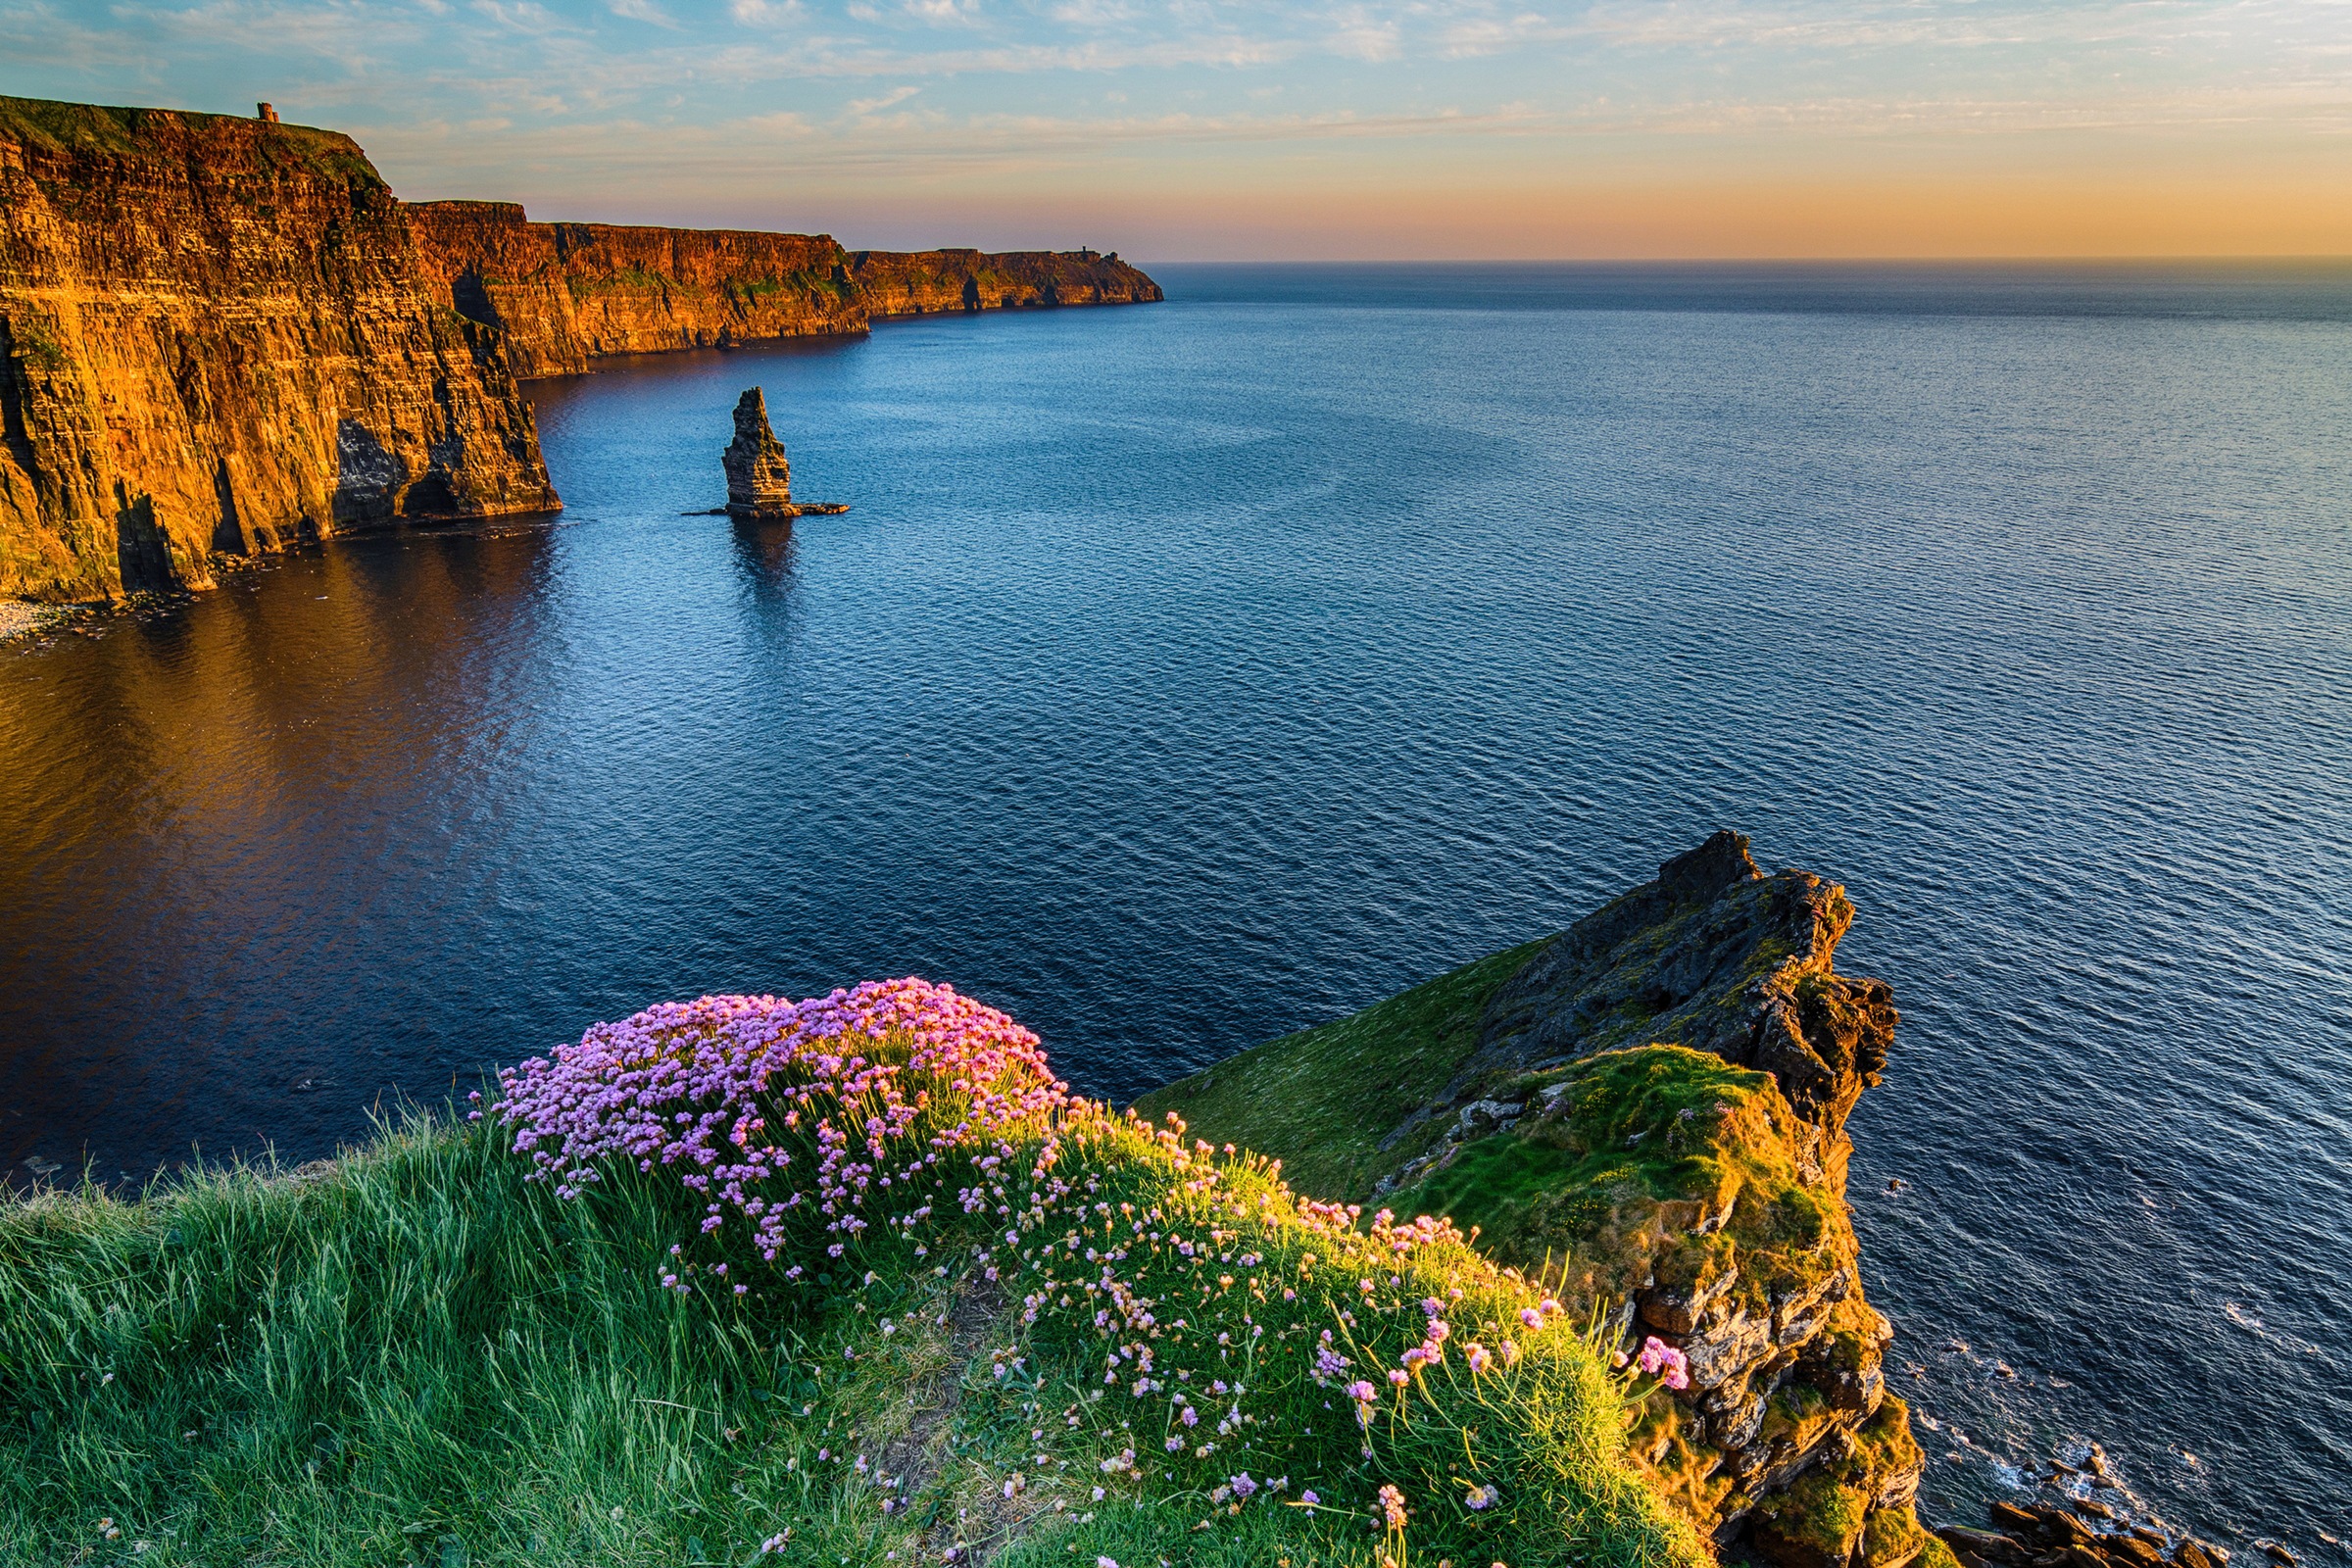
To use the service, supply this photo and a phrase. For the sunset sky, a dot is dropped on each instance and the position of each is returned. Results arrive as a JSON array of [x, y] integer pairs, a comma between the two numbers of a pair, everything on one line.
[[1429, 128]]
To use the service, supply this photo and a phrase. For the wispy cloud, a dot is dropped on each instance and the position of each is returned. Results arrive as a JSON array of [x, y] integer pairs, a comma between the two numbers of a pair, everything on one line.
[[635, 97], [642, 10]]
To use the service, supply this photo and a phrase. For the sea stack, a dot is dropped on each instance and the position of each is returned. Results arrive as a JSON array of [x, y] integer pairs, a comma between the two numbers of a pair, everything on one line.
[[758, 480]]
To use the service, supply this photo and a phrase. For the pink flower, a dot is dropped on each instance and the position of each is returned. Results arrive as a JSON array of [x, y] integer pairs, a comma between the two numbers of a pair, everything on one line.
[[1531, 1317], [1479, 1359], [1392, 1507], [1670, 1365]]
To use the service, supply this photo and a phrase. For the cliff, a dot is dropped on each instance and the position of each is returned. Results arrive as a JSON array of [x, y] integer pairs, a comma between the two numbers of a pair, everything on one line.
[[221, 335], [213, 339], [564, 294], [1650, 1107], [932, 282]]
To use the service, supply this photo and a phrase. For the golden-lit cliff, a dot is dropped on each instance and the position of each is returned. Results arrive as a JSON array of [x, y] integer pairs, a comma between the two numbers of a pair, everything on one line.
[[565, 293], [221, 335], [215, 338]]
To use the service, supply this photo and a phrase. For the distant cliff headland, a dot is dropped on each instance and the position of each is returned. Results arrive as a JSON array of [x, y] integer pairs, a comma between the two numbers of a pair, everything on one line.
[[221, 335]]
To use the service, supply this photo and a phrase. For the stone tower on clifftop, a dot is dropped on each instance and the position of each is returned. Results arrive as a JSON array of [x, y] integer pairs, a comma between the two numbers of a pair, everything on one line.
[[758, 480]]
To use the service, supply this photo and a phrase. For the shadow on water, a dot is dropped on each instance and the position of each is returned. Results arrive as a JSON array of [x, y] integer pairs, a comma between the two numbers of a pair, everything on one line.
[[763, 551]]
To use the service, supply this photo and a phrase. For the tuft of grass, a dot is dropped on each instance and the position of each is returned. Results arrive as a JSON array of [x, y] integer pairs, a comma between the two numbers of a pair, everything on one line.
[[415, 1358], [1327, 1100]]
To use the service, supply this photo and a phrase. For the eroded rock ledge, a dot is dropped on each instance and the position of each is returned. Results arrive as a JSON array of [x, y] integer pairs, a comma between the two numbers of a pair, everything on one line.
[[1650, 1109]]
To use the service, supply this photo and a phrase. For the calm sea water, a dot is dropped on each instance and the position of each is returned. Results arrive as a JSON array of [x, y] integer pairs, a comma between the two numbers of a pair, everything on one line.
[[1186, 674]]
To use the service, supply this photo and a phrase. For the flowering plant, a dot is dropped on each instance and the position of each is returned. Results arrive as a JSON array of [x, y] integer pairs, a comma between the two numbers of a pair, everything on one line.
[[824, 1117]]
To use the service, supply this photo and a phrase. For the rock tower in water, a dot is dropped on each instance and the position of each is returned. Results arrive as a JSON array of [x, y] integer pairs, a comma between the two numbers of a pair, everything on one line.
[[759, 478]]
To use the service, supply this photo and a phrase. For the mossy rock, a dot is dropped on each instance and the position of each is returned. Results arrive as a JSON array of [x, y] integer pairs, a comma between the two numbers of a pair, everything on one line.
[[1658, 1166]]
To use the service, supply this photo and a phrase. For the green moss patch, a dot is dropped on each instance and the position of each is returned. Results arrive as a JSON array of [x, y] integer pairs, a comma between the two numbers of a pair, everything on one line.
[[1657, 1160]]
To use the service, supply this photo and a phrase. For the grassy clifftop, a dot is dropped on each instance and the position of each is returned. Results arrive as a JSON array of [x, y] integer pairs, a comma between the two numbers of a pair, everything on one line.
[[1329, 1101], [1108, 1346], [855, 1280]]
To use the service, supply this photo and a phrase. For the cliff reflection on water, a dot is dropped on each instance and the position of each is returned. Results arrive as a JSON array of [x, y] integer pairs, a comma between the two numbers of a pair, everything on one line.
[[1188, 674]]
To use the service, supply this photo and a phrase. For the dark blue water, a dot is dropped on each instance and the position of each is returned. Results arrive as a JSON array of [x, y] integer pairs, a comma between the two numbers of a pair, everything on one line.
[[1186, 674]]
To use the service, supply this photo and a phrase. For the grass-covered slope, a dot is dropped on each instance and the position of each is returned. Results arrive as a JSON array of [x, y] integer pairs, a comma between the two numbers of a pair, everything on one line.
[[418, 1356], [1327, 1101]]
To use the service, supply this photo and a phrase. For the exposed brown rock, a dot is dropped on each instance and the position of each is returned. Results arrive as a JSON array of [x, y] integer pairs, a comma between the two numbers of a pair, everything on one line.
[[221, 335], [758, 480], [564, 294], [943, 282], [213, 339]]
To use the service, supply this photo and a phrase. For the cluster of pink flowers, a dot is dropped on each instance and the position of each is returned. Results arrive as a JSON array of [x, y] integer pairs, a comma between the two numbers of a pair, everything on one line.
[[1668, 1364], [859, 1106]]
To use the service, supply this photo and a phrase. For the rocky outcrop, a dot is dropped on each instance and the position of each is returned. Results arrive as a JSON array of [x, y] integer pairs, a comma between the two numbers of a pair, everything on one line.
[[2088, 1534], [758, 480], [565, 294], [1688, 1052], [1650, 1109], [215, 338]]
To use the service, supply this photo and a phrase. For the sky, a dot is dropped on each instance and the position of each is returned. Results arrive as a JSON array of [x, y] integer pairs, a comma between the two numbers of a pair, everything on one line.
[[1205, 129]]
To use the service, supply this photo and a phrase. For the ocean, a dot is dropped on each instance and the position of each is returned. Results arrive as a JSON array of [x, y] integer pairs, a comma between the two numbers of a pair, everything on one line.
[[1189, 673]]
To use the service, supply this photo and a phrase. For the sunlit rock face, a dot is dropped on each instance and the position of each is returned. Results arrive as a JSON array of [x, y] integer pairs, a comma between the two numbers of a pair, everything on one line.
[[215, 339], [758, 480], [567, 294]]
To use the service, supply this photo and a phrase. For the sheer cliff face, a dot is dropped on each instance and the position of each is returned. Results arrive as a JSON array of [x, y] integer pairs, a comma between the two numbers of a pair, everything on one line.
[[564, 294], [215, 337], [932, 283]]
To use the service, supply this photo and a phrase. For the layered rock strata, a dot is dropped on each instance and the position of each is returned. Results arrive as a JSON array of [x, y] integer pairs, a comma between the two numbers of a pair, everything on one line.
[[567, 294], [1649, 1109], [759, 478], [215, 338], [2084, 1535]]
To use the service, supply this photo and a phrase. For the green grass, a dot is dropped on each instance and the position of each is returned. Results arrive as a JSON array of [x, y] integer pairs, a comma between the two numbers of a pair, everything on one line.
[[127, 132], [1325, 1099], [422, 1358]]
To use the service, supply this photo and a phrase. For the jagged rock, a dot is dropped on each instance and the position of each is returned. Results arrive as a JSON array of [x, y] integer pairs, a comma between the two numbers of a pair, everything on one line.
[[1488, 1115], [1716, 955], [758, 480]]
